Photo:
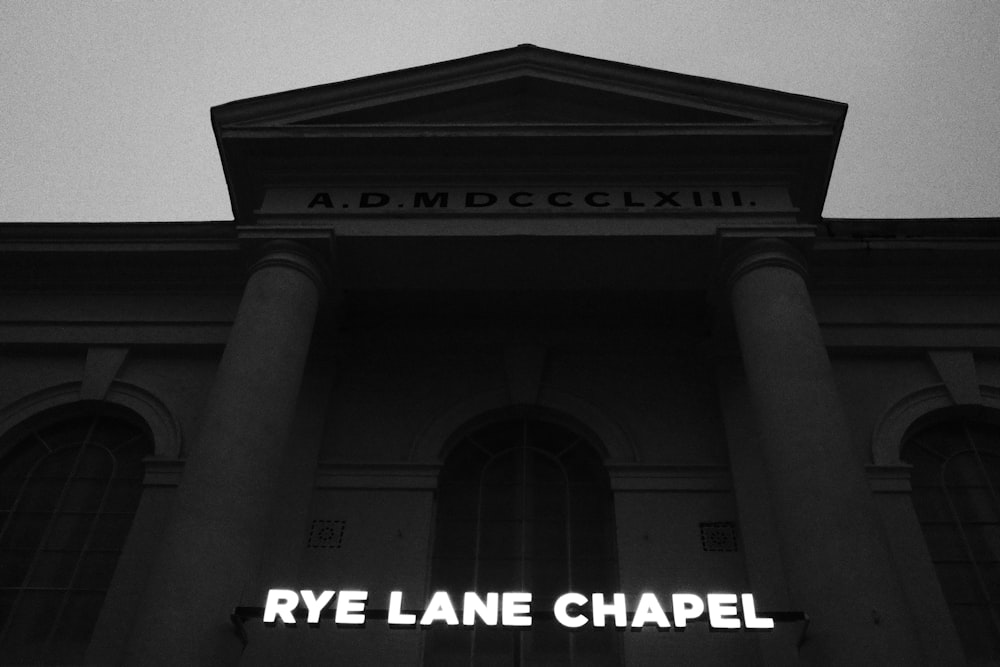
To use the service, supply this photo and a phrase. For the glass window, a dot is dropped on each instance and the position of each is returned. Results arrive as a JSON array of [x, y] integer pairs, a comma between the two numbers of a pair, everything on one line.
[[956, 475], [68, 492], [523, 505]]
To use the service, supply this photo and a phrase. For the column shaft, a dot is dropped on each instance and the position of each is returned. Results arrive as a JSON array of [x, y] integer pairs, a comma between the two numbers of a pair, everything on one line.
[[212, 546], [837, 561]]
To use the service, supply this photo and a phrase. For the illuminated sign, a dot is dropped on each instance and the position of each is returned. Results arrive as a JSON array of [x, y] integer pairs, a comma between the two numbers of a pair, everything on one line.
[[597, 200], [725, 611]]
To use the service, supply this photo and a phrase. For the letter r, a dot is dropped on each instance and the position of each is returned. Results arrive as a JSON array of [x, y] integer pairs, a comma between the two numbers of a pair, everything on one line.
[[281, 602]]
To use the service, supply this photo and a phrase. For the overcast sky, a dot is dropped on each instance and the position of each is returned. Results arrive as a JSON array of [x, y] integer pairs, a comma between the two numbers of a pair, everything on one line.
[[104, 107]]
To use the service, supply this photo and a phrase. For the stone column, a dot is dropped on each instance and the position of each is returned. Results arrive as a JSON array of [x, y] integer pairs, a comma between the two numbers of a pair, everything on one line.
[[212, 546], [837, 562]]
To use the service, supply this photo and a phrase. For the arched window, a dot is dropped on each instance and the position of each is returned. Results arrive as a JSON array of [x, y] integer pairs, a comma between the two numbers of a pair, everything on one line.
[[523, 505], [956, 479], [69, 488]]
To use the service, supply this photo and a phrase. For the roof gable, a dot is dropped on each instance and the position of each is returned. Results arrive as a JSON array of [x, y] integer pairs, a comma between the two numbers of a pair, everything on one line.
[[527, 108], [527, 85], [530, 99]]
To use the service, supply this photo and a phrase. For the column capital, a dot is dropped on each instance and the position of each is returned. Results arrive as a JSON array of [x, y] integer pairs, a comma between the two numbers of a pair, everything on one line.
[[741, 251], [311, 255]]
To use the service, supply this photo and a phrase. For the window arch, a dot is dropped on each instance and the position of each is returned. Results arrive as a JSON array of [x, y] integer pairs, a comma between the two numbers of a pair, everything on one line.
[[523, 504], [69, 487], [956, 480]]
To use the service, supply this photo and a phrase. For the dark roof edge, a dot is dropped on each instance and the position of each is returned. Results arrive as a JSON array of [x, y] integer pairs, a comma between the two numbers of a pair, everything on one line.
[[188, 230], [216, 230], [926, 228]]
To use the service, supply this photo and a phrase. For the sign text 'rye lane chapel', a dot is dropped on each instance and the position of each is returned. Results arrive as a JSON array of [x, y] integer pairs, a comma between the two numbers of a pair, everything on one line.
[[724, 611]]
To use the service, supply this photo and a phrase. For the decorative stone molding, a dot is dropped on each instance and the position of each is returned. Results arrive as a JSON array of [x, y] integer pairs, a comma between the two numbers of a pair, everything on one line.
[[900, 418], [428, 446], [889, 479], [763, 253], [381, 476], [166, 431], [670, 478], [294, 255]]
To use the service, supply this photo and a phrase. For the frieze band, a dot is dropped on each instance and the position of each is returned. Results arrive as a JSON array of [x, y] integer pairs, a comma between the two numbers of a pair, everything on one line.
[[593, 200]]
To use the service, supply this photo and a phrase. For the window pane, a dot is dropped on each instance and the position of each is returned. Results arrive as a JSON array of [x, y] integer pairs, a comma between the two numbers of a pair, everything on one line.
[[944, 541], [549, 578], [84, 494], [449, 647], [537, 496], [7, 598], [494, 646], [41, 494], [69, 531], [96, 569], [500, 539], [94, 463], [984, 541], [24, 530], [547, 643], [15, 566], [457, 539], [79, 616], [931, 503], [953, 480], [501, 502], [454, 574], [33, 614], [547, 501], [53, 569], [10, 490], [60, 544], [57, 465], [499, 574], [972, 504], [462, 499], [588, 647], [547, 539]]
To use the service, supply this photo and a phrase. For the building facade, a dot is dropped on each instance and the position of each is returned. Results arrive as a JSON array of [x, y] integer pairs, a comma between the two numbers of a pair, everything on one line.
[[490, 332]]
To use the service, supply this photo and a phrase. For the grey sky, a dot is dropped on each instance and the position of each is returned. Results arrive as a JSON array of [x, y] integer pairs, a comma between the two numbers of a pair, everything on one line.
[[105, 106]]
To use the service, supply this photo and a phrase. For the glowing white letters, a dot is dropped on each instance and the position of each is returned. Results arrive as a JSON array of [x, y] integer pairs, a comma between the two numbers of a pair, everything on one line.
[[750, 615], [315, 604], [687, 607], [280, 602], [603, 610], [561, 610], [474, 606], [649, 611], [722, 611], [725, 611], [396, 615], [351, 608], [516, 609], [439, 608]]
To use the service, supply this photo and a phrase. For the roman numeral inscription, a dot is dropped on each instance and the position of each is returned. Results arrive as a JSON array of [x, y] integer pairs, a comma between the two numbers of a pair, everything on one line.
[[526, 200]]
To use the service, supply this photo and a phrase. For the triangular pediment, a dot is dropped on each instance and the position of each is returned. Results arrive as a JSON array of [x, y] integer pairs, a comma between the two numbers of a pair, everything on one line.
[[526, 85], [526, 109], [528, 99]]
